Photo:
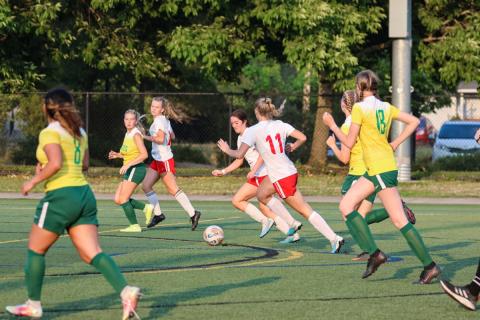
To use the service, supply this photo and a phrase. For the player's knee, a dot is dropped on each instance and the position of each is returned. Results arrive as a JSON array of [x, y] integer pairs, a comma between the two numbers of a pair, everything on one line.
[[345, 208], [236, 202]]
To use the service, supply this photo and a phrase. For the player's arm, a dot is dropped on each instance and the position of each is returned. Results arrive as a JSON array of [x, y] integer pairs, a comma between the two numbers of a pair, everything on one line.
[[55, 161], [239, 153], [342, 154], [230, 168], [86, 160], [300, 139], [158, 138], [348, 140], [411, 122]]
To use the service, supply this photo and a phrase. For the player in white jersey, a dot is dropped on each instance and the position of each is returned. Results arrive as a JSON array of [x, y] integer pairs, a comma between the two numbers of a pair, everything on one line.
[[268, 136], [248, 190], [163, 165]]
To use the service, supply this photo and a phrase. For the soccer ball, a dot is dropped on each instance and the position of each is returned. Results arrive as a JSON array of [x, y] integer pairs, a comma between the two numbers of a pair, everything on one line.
[[213, 235]]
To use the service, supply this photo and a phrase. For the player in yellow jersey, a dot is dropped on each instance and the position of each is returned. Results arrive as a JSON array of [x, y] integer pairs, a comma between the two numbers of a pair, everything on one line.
[[371, 121], [357, 168], [69, 204], [133, 153]]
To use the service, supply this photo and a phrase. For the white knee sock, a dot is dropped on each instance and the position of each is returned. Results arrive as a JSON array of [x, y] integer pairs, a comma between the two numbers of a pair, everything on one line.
[[321, 225], [185, 202], [153, 199], [279, 209], [254, 213], [281, 225]]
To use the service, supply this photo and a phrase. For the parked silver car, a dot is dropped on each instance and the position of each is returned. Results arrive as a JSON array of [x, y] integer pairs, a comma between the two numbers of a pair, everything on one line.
[[456, 138]]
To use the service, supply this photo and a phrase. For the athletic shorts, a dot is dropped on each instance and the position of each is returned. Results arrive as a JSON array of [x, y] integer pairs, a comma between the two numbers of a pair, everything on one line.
[[349, 181], [287, 186], [255, 181], [136, 174], [163, 166], [383, 180], [64, 208]]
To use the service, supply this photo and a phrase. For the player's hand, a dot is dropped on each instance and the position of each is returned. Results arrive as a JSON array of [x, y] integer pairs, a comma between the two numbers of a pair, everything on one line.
[[222, 145], [112, 155], [331, 141], [328, 120], [217, 173], [124, 169], [477, 136], [250, 175], [394, 146], [289, 147], [27, 187]]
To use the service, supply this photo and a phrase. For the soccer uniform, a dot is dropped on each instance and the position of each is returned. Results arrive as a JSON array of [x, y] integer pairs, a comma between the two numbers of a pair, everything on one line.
[[252, 156], [162, 153], [68, 201], [129, 151], [268, 138], [375, 118], [357, 167]]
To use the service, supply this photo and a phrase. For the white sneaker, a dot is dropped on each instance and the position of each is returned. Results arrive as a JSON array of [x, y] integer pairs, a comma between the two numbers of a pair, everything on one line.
[[337, 244], [25, 310], [266, 226], [291, 239], [148, 210], [130, 296]]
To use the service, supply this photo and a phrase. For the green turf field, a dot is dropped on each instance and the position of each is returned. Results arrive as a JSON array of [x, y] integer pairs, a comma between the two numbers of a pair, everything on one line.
[[247, 278]]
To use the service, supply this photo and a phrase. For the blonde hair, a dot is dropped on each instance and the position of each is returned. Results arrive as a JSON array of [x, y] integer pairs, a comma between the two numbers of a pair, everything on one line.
[[366, 80], [266, 108], [59, 106], [349, 98], [169, 112], [138, 117]]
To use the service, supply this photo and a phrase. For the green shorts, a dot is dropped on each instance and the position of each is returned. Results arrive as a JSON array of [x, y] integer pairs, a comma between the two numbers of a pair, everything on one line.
[[383, 180], [67, 207], [136, 174], [349, 181]]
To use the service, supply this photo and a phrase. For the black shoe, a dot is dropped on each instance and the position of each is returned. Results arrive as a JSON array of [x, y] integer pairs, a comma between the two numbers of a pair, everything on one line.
[[461, 294], [361, 257], [195, 219], [156, 220], [409, 213], [374, 262], [428, 275]]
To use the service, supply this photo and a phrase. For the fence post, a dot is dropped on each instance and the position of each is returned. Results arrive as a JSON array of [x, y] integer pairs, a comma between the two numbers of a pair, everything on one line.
[[87, 111]]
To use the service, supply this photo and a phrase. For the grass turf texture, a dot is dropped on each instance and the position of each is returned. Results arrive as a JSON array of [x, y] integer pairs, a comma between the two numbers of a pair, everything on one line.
[[248, 278]]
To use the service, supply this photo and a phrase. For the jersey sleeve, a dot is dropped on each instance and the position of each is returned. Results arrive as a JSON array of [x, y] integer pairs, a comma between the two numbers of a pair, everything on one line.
[[344, 128], [357, 114], [288, 128], [159, 125], [84, 137], [394, 111], [248, 137], [49, 137]]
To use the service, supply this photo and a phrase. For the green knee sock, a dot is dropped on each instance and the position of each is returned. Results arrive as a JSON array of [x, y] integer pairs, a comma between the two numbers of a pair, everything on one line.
[[358, 227], [375, 216], [34, 272], [355, 237], [129, 212], [105, 264], [137, 204], [414, 240]]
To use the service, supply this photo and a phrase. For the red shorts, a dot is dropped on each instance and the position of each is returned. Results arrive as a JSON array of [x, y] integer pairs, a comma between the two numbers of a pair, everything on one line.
[[163, 166], [255, 181], [287, 186]]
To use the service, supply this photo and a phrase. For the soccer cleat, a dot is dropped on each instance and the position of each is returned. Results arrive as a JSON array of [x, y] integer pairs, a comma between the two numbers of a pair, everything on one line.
[[156, 220], [362, 257], [195, 219], [297, 225], [148, 210], [25, 310], [409, 213], [375, 260], [130, 296], [291, 239], [132, 228], [266, 227], [428, 275], [461, 294], [337, 244]]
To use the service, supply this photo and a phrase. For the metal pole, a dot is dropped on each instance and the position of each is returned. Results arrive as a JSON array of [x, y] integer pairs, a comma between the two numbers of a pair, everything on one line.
[[401, 84], [87, 112]]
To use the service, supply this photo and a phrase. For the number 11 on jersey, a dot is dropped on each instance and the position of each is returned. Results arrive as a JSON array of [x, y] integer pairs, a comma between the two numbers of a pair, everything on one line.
[[270, 142]]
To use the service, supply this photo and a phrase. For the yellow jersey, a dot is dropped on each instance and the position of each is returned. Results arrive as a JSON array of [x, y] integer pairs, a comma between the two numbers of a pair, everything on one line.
[[356, 164], [129, 149], [375, 118], [73, 152]]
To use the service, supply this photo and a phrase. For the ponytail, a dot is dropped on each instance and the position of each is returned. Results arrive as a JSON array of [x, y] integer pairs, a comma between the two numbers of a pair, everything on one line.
[[266, 108], [59, 106]]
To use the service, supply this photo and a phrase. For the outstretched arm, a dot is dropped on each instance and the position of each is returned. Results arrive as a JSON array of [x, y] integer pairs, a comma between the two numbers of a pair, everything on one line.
[[231, 167], [412, 123], [239, 153], [342, 154], [348, 140]]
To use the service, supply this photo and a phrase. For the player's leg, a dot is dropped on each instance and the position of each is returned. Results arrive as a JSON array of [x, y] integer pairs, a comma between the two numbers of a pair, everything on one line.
[[151, 177], [136, 174], [122, 198]]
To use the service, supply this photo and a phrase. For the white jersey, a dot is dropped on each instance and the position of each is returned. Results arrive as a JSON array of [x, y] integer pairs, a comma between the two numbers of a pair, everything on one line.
[[252, 156], [161, 152], [269, 137]]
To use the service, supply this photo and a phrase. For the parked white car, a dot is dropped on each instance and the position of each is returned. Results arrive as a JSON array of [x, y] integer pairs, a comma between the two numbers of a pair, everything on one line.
[[456, 138]]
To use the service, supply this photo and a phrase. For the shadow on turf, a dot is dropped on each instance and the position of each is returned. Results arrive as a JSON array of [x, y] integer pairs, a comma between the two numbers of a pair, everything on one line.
[[158, 309]]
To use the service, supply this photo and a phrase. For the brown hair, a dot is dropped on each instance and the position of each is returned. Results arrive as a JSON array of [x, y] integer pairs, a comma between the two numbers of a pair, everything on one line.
[[138, 117], [366, 80], [169, 112], [349, 98], [59, 106], [240, 115], [266, 108]]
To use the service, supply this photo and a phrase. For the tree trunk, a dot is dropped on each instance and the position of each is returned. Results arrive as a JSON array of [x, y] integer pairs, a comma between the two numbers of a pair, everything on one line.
[[318, 153], [306, 92]]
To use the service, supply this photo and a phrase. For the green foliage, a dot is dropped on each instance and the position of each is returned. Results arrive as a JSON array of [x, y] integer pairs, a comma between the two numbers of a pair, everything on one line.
[[467, 162], [188, 153]]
